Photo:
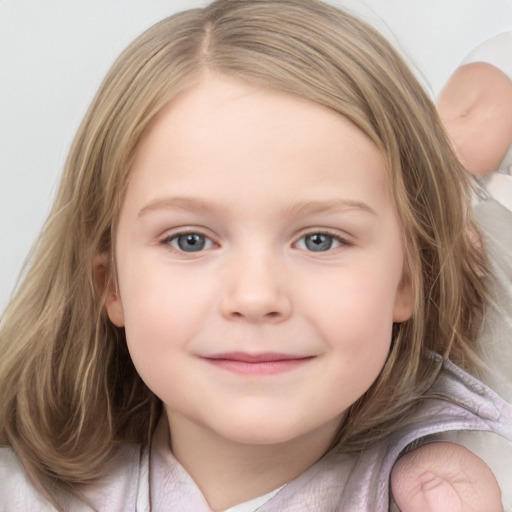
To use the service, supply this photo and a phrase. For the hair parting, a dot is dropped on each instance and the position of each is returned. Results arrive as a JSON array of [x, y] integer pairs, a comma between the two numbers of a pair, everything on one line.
[[70, 395]]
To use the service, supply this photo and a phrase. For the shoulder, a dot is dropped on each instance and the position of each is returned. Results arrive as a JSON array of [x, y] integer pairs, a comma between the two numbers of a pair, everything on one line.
[[16, 490], [118, 490]]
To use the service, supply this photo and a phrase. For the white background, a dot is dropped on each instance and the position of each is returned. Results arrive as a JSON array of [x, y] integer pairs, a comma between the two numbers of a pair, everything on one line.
[[54, 54]]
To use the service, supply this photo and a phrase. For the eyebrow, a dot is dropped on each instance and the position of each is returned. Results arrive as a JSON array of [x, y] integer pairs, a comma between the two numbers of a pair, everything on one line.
[[294, 210], [180, 203], [334, 205]]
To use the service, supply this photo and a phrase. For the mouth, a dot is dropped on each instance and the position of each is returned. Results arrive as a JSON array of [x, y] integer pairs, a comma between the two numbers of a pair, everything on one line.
[[242, 363]]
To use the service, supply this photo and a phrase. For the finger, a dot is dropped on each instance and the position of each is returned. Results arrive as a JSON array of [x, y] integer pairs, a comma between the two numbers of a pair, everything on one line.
[[444, 477]]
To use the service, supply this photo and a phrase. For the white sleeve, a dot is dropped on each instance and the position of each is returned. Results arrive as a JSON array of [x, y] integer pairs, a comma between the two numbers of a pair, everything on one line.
[[496, 51]]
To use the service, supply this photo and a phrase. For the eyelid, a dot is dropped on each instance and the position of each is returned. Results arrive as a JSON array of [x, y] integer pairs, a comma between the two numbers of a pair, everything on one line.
[[336, 235], [165, 240], [174, 233]]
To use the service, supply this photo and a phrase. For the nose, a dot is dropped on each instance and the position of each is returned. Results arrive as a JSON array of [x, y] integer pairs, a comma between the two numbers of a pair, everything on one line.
[[255, 290]]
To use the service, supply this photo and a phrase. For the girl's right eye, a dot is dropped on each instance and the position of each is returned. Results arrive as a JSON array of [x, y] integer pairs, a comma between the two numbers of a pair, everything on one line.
[[189, 242]]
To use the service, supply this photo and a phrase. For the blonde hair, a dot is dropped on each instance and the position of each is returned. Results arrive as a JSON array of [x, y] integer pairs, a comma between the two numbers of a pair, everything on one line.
[[69, 393]]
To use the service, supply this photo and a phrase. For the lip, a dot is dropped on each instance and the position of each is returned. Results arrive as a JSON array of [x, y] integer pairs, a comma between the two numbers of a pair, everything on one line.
[[267, 363]]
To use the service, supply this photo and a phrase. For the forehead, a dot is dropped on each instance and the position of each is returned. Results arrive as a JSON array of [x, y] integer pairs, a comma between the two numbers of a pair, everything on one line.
[[225, 129]]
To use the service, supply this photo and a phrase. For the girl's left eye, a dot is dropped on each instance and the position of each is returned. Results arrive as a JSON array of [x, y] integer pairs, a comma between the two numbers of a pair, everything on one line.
[[189, 242], [319, 242]]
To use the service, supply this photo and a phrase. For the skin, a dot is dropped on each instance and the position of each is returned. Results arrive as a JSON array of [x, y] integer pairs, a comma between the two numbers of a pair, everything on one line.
[[444, 477], [475, 107], [300, 254]]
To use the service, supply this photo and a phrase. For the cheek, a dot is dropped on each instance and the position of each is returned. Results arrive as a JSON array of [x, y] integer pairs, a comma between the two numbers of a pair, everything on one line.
[[163, 310], [154, 317], [358, 331], [157, 334], [353, 314], [354, 310], [154, 295]]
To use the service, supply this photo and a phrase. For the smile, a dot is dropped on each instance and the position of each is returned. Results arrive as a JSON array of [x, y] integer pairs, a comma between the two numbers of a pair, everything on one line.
[[243, 363]]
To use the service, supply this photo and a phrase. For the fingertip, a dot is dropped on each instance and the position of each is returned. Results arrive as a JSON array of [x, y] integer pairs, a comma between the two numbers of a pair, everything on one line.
[[444, 476]]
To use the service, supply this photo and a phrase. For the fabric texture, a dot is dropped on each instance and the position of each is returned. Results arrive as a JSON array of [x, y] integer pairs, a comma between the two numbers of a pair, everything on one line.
[[153, 480], [145, 480], [495, 222], [254, 504]]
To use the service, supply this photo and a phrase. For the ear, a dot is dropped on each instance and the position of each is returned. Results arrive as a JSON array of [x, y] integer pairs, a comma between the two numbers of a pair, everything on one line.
[[404, 298], [107, 287]]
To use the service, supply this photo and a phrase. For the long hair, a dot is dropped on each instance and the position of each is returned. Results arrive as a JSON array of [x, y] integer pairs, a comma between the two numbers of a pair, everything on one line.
[[70, 395]]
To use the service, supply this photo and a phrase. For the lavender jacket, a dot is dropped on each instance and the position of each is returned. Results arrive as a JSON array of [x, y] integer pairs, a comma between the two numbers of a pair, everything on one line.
[[152, 480]]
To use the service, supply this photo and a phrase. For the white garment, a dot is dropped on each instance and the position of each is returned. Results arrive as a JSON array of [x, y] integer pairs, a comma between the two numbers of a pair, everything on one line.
[[500, 187], [496, 51], [254, 504]]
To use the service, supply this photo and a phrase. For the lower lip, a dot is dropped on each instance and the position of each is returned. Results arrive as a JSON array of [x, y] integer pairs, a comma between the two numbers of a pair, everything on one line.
[[258, 367]]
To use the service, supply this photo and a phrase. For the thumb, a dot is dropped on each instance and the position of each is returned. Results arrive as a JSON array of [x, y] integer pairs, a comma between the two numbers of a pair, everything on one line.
[[444, 477]]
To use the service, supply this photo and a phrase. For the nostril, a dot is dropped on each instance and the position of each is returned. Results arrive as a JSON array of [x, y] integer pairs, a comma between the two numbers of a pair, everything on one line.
[[270, 316], [255, 305]]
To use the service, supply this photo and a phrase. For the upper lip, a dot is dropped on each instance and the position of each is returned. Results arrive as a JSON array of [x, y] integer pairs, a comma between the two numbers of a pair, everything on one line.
[[255, 358]]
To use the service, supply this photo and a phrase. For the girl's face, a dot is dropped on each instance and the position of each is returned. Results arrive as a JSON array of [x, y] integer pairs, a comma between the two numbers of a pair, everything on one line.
[[260, 263]]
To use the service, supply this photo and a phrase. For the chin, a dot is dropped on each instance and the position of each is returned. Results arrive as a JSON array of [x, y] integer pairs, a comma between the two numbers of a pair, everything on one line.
[[261, 438], [250, 431]]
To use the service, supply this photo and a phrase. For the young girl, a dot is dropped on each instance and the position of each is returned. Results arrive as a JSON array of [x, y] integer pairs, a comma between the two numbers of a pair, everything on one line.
[[259, 285]]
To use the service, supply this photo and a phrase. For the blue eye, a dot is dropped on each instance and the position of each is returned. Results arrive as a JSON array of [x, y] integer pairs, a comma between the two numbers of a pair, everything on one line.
[[319, 242], [190, 242]]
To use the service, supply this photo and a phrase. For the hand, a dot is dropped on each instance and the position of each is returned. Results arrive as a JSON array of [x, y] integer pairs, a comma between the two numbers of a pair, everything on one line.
[[444, 477]]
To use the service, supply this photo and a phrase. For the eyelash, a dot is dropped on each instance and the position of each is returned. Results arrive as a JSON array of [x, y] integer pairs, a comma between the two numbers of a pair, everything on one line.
[[167, 241], [322, 232]]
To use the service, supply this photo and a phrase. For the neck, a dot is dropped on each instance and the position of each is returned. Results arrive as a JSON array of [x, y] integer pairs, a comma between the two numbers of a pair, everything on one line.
[[229, 473]]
